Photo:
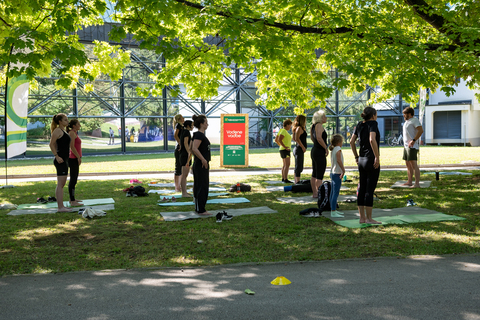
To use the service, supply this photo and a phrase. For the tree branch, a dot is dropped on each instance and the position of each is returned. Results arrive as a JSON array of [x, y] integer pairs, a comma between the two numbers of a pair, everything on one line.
[[5, 22]]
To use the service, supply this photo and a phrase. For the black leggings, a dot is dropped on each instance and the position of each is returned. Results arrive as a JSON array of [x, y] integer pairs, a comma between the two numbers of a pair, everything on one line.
[[299, 160], [74, 170], [319, 162], [201, 182], [368, 181]]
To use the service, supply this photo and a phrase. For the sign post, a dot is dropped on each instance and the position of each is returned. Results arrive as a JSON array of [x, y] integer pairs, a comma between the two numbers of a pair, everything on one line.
[[234, 140]]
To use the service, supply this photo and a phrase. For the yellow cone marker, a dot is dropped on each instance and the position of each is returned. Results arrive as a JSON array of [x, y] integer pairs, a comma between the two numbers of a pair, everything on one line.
[[280, 281]]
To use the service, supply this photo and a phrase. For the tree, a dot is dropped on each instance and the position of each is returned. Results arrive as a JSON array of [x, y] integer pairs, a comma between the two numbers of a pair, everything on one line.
[[36, 32], [401, 46]]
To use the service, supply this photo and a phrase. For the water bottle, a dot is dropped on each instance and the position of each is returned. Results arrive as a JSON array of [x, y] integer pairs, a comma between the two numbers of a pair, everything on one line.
[[238, 187]]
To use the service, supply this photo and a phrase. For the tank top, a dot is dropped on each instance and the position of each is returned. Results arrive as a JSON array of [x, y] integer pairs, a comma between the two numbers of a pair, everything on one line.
[[63, 145], [316, 144], [303, 139], [78, 146]]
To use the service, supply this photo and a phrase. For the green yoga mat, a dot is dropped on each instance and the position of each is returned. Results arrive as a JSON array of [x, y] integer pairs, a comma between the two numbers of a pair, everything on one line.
[[179, 196], [401, 219], [211, 201], [88, 202]]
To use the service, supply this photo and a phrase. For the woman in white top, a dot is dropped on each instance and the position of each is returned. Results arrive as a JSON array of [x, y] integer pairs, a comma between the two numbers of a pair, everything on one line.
[[336, 173]]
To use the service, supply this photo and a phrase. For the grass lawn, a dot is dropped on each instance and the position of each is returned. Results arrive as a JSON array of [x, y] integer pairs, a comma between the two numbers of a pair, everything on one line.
[[258, 158], [134, 235]]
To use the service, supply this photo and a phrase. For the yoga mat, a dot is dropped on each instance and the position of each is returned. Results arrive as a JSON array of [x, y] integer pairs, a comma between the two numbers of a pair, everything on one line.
[[162, 191], [104, 207], [423, 184], [185, 215], [450, 173], [276, 182], [402, 215], [210, 189], [211, 194], [171, 184], [309, 199], [281, 188], [87, 202], [210, 201]]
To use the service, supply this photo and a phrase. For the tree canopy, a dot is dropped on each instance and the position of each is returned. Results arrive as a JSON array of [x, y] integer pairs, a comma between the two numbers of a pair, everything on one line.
[[401, 46]]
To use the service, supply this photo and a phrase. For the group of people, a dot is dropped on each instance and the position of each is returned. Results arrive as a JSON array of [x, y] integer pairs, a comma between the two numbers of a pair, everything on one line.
[[367, 157], [197, 146], [66, 147]]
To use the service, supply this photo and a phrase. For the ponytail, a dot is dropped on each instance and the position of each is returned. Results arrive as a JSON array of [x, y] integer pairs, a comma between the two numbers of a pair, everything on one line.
[[56, 121], [336, 139]]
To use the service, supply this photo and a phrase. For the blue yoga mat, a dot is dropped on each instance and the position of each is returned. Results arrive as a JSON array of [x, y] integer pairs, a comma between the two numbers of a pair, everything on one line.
[[211, 201], [179, 196]]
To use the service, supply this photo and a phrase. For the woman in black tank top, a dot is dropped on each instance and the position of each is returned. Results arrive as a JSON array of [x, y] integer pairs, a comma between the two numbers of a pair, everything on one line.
[[300, 137], [60, 146], [319, 151]]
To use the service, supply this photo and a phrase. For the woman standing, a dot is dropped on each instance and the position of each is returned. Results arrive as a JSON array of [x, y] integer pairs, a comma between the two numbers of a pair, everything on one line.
[[319, 151], [201, 151], [368, 162], [60, 146], [178, 127], [300, 138], [284, 140], [185, 155], [75, 159]]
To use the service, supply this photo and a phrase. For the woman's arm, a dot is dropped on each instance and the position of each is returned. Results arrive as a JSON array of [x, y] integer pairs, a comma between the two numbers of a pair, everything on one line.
[[53, 144], [72, 146], [354, 147], [176, 136], [196, 144], [280, 142], [373, 143]]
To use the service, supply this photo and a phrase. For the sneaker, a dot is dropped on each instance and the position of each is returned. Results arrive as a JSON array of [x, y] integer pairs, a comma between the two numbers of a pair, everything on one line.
[[336, 214], [174, 199], [226, 216], [41, 200], [410, 203], [52, 199], [129, 194], [219, 217]]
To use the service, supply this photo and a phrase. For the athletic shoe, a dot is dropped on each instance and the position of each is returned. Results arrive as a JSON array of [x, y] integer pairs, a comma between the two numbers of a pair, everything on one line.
[[226, 216], [41, 200], [219, 217], [52, 199], [129, 194], [174, 199], [410, 203]]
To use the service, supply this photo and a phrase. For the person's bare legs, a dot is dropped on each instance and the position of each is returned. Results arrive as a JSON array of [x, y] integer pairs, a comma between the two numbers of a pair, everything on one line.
[[361, 211], [317, 184], [313, 184], [183, 182], [369, 216], [416, 170], [409, 174], [206, 213], [177, 180], [286, 166], [61, 180], [297, 179]]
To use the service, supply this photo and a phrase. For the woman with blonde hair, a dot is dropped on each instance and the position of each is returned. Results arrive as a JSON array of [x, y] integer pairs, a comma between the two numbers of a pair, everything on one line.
[[60, 146], [284, 140], [299, 135], [178, 121], [319, 150]]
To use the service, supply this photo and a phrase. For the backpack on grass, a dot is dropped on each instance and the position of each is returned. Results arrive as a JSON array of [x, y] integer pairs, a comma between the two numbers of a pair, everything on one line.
[[324, 196]]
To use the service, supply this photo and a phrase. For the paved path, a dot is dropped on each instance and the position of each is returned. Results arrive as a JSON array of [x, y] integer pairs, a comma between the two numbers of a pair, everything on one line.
[[427, 287]]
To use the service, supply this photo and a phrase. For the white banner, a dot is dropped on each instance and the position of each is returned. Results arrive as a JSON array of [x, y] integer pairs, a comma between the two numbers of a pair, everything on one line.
[[17, 110]]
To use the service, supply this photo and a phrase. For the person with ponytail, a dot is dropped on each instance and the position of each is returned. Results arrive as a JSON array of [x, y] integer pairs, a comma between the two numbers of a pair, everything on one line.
[[185, 154], [201, 167], [178, 127], [319, 150], [368, 162], [60, 147], [74, 160], [336, 173], [299, 135]]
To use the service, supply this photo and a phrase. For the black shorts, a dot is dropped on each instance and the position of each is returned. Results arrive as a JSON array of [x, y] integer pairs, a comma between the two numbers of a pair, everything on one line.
[[284, 154], [184, 159], [178, 166], [62, 168]]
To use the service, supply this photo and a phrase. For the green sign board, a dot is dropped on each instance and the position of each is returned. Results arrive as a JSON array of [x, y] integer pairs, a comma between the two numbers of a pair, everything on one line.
[[234, 155]]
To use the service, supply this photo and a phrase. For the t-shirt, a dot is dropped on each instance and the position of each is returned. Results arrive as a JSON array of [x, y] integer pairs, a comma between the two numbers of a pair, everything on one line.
[[111, 132], [204, 146], [287, 138], [184, 134], [409, 131], [335, 166], [362, 131]]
